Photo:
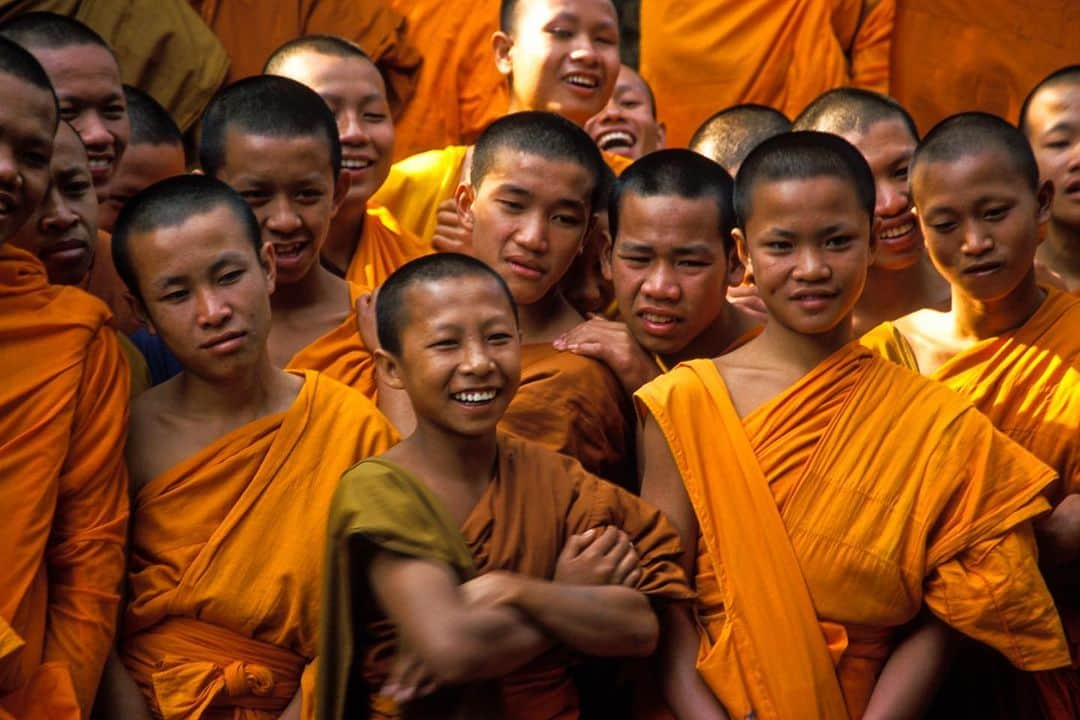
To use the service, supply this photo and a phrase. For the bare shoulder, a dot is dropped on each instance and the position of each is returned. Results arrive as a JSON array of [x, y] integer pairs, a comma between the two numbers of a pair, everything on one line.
[[147, 434], [932, 337]]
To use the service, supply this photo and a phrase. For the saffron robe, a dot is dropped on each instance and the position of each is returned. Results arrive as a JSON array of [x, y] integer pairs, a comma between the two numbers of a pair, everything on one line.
[[383, 247], [863, 527], [781, 53], [889, 343], [63, 490], [536, 501], [226, 561], [104, 282], [576, 406]]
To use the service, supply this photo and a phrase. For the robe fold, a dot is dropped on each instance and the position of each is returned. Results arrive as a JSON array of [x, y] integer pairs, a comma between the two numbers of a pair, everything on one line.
[[537, 500], [227, 553], [875, 522], [781, 53], [576, 406], [383, 247], [889, 343], [63, 490]]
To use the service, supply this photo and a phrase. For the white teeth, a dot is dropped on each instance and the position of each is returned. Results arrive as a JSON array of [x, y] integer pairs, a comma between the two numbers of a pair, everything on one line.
[[582, 81], [614, 139], [658, 319], [356, 164], [288, 249], [475, 397], [898, 231], [98, 164]]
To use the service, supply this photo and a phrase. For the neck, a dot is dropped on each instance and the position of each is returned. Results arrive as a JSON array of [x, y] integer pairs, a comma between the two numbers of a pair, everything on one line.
[[717, 339], [804, 352], [318, 285], [466, 459], [890, 294], [1061, 249], [344, 236], [258, 393], [977, 319], [547, 318]]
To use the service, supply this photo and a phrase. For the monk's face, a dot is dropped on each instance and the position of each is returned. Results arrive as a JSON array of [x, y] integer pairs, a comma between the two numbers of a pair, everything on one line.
[[142, 166], [562, 56], [87, 82], [460, 358], [808, 244], [289, 183], [627, 125], [585, 285], [981, 221], [528, 219], [206, 292], [61, 231], [670, 269], [27, 123], [1053, 121], [888, 146], [356, 93]]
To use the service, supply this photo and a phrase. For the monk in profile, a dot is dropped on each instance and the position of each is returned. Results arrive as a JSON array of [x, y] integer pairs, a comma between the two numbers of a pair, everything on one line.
[[859, 526], [365, 244], [230, 452], [1050, 118], [465, 553], [63, 414], [628, 124], [728, 136]]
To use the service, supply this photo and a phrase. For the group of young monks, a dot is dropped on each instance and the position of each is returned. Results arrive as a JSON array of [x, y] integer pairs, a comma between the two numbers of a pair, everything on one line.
[[558, 424]]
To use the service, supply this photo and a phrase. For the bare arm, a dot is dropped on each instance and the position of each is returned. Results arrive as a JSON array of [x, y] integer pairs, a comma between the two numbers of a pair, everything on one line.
[[1059, 533], [913, 672]]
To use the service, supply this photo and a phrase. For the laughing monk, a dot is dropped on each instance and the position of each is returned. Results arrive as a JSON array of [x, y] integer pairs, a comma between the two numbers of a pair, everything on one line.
[[63, 411], [226, 457], [477, 549], [858, 525]]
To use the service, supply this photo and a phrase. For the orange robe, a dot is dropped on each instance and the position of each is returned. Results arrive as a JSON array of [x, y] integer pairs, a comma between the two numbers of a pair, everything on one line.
[[226, 562], [104, 282], [863, 526], [950, 57], [459, 89], [536, 501], [63, 490], [383, 248], [781, 53], [576, 406]]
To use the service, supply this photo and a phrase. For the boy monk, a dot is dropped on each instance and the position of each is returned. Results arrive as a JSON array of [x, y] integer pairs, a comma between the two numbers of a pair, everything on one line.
[[275, 142], [1007, 344], [858, 525], [561, 56], [627, 125], [227, 454], [671, 262], [728, 136], [902, 278], [364, 244], [63, 411], [488, 556], [1050, 118]]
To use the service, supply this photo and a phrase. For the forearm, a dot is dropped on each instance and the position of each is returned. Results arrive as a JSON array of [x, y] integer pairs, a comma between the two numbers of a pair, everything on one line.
[[490, 642], [119, 696], [686, 694], [1059, 534], [912, 673]]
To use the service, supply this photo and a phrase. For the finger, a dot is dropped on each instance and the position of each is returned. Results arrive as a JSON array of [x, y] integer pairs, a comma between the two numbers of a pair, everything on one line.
[[411, 679], [577, 543], [632, 580], [627, 564], [604, 541], [591, 349]]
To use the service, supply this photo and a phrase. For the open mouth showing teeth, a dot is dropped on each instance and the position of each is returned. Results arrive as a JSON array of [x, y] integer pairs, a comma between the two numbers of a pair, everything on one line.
[[615, 139], [583, 81], [658, 319], [288, 250], [898, 231], [99, 164], [478, 397], [356, 164]]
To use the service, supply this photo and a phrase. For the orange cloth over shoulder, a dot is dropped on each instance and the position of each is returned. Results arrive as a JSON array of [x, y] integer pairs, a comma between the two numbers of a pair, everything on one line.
[[782, 53], [867, 525], [104, 282], [227, 553], [383, 248], [63, 490]]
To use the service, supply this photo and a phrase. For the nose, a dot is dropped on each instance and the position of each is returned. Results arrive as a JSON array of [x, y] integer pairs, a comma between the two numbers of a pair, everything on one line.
[[532, 234], [353, 131], [811, 265], [893, 198], [475, 359], [282, 218], [1074, 158], [585, 50], [977, 240], [58, 216], [91, 128], [9, 169], [660, 283], [212, 309]]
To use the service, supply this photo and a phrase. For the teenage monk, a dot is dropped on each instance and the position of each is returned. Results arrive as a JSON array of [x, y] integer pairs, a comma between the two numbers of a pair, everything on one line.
[[584, 285], [364, 244], [1007, 344], [475, 548], [233, 464], [63, 413], [671, 262], [561, 56], [275, 142], [628, 124], [902, 278], [1050, 118], [728, 136], [857, 526]]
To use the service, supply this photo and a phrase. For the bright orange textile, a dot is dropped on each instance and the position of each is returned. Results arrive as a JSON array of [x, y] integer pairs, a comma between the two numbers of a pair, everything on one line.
[[383, 248], [782, 53], [63, 490], [890, 344], [880, 523], [200, 552]]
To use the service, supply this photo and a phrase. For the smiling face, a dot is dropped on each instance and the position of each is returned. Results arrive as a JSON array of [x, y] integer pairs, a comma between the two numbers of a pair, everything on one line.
[[981, 222], [808, 244], [142, 166], [627, 125], [528, 220], [1053, 128], [27, 121], [206, 292], [87, 83], [562, 56], [289, 184]]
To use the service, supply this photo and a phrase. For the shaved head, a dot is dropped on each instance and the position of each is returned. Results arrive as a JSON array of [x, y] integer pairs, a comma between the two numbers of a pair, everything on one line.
[[728, 136], [851, 111], [1062, 77]]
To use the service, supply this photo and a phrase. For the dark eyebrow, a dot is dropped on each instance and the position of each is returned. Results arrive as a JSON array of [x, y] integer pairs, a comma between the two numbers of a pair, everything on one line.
[[1060, 125], [513, 190], [635, 247], [694, 249]]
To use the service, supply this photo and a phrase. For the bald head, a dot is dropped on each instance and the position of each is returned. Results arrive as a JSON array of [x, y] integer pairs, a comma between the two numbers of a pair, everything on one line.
[[728, 136], [50, 31], [852, 111], [1061, 79]]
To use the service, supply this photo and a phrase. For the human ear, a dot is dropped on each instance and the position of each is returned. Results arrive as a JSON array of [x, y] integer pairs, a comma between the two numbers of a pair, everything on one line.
[[465, 196], [386, 365]]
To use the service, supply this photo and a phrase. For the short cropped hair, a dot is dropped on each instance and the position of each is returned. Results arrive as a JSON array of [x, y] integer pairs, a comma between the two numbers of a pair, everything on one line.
[[391, 308], [49, 30], [543, 134], [971, 133], [320, 44], [728, 136], [678, 172], [802, 155], [852, 110], [169, 203], [270, 106], [151, 124], [1068, 75], [15, 60]]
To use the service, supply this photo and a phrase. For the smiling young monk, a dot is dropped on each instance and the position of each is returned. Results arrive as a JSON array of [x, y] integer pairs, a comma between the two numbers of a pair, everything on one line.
[[466, 553], [628, 124], [829, 531]]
